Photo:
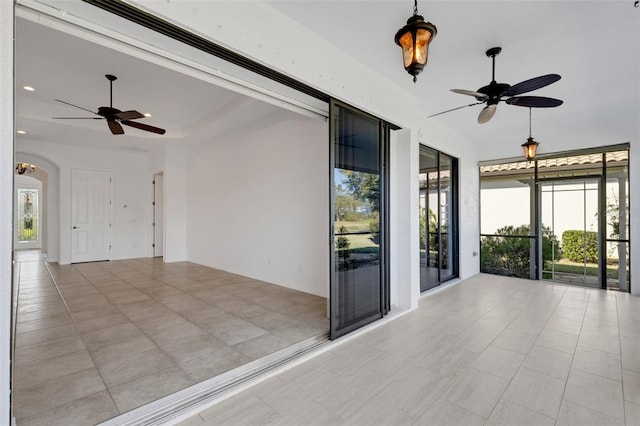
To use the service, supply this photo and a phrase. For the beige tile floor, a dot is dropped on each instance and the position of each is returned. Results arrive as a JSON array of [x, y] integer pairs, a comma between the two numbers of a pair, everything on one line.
[[488, 351], [98, 339]]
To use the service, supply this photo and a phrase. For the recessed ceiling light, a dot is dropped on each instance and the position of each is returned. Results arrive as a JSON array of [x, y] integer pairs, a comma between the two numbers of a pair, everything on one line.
[[22, 132], [28, 88], [146, 114]]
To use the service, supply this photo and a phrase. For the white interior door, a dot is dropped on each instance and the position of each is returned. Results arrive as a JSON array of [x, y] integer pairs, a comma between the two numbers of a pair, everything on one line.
[[158, 215], [90, 215]]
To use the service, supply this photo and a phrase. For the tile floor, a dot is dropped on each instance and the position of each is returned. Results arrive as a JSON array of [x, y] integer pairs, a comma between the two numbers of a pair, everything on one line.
[[488, 351], [98, 339]]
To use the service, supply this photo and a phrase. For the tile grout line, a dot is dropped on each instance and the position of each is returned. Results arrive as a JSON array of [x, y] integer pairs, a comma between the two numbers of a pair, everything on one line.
[[81, 334], [624, 405], [521, 362], [573, 354]]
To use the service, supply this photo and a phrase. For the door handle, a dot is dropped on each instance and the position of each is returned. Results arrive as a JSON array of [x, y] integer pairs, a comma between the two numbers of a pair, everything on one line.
[[75, 227]]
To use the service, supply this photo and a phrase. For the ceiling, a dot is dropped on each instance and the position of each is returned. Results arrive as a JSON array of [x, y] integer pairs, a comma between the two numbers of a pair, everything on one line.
[[62, 66], [594, 46]]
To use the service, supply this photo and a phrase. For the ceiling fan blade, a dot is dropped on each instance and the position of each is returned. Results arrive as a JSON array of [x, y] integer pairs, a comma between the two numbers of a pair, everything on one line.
[[129, 115], [77, 118], [486, 114], [534, 101], [453, 109], [531, 84], [76, 106], [142, 126], [470, 93], [115, 127]]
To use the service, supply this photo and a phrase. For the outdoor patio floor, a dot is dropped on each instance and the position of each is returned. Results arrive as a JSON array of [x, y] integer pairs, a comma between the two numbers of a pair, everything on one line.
[[488, 351]]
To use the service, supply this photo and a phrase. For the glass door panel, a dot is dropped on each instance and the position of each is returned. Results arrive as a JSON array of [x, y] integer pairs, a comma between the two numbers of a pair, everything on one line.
[[28, 217], [429, 252], [357, 283], [617, 220], [438, 218], [446, 240], [569, 214]]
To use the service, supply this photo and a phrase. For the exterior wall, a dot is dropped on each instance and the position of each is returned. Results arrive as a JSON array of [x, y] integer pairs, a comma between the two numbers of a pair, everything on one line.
[[257, 203]]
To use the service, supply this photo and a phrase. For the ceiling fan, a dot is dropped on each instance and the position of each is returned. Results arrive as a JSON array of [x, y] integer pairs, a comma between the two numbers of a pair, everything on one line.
[[114, 116], [494, 92]]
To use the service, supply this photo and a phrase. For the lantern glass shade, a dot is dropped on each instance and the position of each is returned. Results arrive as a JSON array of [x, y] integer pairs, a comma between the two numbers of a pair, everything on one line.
[[414, 39], [406, 42], [423, 37], [530, 147]]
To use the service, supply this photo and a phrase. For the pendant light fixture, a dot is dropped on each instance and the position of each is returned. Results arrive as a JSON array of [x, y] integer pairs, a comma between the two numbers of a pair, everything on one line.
[[414, 39], [22, 168], [530, 146]]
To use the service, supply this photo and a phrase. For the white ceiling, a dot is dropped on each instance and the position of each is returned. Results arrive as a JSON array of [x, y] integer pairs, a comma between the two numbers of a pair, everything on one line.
[[594, 46], [61, 66]]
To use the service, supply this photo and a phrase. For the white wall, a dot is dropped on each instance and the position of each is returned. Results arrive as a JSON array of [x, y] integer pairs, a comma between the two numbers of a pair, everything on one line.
[[405, 261], [258, 203], [6, 202], [130, 187], [176, 204]]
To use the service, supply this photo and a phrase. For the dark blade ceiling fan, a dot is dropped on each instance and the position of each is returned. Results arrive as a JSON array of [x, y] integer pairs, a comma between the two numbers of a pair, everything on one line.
[[115, 118], [494, 92]]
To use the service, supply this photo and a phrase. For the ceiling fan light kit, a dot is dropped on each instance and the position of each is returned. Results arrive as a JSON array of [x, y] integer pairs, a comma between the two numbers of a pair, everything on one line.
[[494, 93], [115, 117], [414, 39]]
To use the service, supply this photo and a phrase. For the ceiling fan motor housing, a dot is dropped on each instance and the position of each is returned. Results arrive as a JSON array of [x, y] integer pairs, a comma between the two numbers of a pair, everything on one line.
[[494, 92], [108, 112]]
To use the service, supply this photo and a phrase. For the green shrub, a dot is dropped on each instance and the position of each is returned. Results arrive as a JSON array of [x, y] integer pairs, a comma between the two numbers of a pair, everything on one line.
[[575, 249], [342, 242], [505, 255]]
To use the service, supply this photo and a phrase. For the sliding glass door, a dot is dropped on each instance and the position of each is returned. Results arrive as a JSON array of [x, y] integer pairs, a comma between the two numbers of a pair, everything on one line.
[[438, 218], [359, 291]]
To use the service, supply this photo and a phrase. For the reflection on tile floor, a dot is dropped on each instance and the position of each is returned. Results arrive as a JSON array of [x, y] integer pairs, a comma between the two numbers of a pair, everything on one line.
[[102, 338]]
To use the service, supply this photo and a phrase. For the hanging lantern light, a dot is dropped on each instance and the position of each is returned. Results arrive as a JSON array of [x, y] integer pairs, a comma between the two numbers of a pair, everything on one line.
[[414, 39], [530, 146]]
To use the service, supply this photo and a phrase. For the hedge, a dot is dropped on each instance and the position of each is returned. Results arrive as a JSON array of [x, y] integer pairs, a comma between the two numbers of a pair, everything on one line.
[[573, 246]]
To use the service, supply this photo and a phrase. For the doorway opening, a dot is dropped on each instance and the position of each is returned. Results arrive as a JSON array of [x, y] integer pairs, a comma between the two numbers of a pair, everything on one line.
[[28, 216], [242, 266]]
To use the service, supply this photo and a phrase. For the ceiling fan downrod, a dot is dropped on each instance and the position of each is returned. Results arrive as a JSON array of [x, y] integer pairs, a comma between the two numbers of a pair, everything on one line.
[[492, 53], [111, 79]]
